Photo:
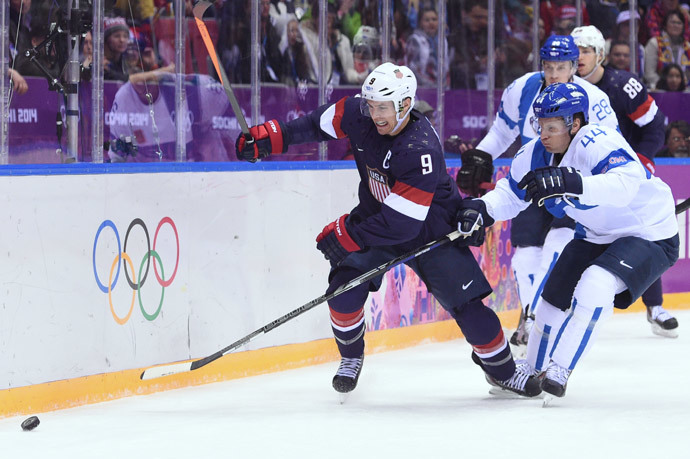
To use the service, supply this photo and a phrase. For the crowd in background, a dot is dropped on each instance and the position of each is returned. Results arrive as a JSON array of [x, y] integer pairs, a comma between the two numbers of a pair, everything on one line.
[[139, 39]]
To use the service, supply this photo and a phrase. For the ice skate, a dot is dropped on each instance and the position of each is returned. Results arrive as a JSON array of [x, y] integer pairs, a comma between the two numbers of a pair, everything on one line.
[[663, 323], [521, 334], [345, 379], [555, 382], [523, 383]]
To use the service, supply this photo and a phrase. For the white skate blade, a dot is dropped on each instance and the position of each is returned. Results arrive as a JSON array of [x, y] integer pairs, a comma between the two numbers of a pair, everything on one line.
[[658, 330], [547, 399], [343, 396], [507, 394]]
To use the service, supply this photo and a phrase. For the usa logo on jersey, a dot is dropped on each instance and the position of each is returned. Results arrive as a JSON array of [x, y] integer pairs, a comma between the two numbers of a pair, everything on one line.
[[378, 184]]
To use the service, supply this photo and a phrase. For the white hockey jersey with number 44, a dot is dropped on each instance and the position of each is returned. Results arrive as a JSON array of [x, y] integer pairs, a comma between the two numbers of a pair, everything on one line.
[[620, 197]]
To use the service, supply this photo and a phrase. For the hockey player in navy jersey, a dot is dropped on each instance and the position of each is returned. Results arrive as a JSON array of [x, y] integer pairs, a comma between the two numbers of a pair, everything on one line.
[[626, 234], [406, 199], [642, 125], [538, 238]]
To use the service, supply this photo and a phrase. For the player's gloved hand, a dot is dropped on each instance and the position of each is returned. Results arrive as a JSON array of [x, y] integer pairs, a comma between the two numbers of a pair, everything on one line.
[[472, 219], [551, 182], [477, 168], [335, 242], [647, 163], [268, 139]]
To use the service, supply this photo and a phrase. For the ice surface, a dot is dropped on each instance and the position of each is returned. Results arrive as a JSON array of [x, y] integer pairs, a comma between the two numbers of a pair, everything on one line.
[[629, 398]]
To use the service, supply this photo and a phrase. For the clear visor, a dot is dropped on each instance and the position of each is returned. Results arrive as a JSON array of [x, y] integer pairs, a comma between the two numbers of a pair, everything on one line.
[[549, 126], [377, 108]]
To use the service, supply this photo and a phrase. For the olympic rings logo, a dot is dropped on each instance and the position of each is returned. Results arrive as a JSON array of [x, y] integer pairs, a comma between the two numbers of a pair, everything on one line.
[[136, 283]]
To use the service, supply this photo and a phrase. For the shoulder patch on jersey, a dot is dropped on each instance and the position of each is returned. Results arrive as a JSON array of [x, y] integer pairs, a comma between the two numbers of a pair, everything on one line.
[[614, 159]]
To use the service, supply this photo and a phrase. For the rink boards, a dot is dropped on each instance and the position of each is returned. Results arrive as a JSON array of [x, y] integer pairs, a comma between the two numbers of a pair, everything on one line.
[[111, 269]]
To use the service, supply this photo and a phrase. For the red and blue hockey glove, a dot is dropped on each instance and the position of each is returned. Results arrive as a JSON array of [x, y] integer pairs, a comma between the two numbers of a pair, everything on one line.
[[335, 242], [477, 169], [472, 219], [551, 182], [268, 140]]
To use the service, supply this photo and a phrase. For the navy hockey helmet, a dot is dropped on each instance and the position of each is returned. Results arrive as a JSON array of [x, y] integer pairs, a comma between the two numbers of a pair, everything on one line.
[[562, 100], [559, 48]]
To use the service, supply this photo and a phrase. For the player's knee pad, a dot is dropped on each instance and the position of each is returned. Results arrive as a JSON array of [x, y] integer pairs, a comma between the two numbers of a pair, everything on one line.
[[596, 288]]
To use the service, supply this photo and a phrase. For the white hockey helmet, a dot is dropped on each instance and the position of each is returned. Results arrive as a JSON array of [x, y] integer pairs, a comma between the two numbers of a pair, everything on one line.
[[590, 37], [391, 82]]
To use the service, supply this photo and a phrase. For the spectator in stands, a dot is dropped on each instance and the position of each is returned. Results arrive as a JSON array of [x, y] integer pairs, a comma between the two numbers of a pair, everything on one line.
[[19, 40], [295, 59], [677, 143], [366, 50], [422, 52], [340, 66], [234, 42], [468, 67], [621, 33], [668, 48], [115, 40], [86, 56], [349, 18], [38, 33], [672, 79], [400, 33], [603, 15], [564, 20], [551, 10], [619, 56], [140, 10], [654, 20]]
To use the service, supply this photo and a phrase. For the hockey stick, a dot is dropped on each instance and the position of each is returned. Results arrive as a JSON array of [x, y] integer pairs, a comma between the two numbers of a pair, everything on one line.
[[199, 10], [683, 206], [174, 368]]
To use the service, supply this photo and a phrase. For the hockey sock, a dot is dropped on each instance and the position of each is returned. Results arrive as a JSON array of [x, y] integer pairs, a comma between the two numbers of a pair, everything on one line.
[[547, 321], [483, 331], [348, 330], [592, 302], [347, 314], [556, 240]]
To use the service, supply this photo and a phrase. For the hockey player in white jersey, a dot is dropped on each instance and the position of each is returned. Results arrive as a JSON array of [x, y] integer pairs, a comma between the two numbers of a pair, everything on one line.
[[538, 238], [626, 234]]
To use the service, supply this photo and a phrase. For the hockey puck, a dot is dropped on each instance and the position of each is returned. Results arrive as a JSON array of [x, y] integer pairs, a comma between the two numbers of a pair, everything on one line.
[[30, 423]]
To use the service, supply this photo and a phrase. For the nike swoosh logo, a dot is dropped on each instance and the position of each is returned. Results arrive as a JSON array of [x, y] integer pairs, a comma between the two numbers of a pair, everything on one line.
[[626, 265], [464, 286]]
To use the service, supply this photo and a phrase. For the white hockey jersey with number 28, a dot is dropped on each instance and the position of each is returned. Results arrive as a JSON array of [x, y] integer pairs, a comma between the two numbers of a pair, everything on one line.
[[515, 116], [620, 197]]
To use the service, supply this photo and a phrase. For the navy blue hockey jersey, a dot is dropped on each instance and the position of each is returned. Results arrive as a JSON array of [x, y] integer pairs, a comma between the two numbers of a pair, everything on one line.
[[406, 196], [640, 120]]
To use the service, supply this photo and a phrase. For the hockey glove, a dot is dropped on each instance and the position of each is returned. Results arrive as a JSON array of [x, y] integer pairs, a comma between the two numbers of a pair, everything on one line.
[[472, 219], [477, 168], [268, 139], [551, 182], [335, 242]]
